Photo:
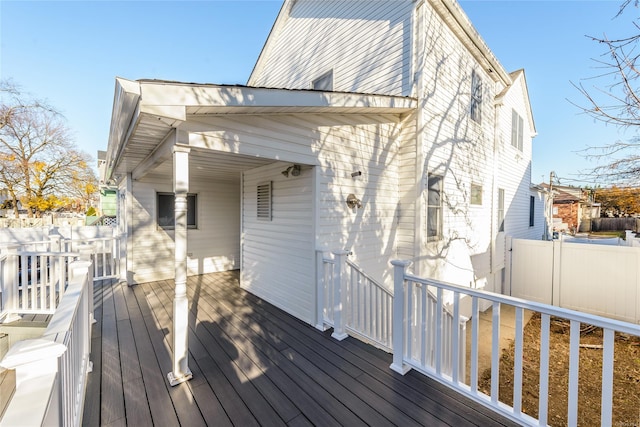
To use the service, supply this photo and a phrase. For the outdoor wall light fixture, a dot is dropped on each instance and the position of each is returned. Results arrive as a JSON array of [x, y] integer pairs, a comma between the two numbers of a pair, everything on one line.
[[294, 170], [358, 173], [353, 202]]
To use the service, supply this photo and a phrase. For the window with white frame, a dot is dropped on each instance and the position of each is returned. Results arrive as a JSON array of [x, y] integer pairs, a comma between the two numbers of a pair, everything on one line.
[[166, 217], [434, 208], [476, 194], [517, 129], [264, 201], [500, 209], [324, 82], [476, 97]]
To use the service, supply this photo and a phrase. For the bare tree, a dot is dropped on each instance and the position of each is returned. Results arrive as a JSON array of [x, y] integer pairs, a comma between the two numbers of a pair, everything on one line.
[[38, 159], [616, 103]]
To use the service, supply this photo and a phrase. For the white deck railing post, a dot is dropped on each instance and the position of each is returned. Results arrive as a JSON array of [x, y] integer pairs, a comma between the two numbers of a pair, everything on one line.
[[320, 289], [399, 319], [340, 296], [10, 283]]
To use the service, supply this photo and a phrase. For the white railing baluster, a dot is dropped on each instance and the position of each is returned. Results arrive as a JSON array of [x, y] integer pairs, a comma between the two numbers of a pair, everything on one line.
[[455, 353], [607, 376], [517, 363], [475, 314], [438, 343], [495, 352], [425, 327], [543, 402], [574, 364]]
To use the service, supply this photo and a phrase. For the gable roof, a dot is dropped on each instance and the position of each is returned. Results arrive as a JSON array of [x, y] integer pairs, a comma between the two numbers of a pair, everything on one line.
[[452, 15]]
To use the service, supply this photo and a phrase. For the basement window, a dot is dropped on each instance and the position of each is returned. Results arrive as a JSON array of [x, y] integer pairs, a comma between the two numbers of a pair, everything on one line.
[[264, 201], [166, 211]]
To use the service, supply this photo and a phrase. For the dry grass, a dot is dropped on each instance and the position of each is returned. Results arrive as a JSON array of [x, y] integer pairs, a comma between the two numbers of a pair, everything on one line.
[[626, 387]]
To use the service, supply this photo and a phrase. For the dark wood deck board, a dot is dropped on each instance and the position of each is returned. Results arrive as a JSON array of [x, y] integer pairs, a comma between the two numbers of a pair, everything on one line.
[[253, 364]]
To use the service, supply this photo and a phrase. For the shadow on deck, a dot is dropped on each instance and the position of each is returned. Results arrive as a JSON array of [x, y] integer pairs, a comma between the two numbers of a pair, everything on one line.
[[252, 365]]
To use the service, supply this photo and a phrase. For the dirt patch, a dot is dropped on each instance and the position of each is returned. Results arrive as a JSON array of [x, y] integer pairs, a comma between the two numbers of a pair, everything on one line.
[[626, 382]]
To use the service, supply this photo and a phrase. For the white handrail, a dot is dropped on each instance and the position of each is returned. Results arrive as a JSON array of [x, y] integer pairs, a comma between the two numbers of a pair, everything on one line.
[[404, 282]]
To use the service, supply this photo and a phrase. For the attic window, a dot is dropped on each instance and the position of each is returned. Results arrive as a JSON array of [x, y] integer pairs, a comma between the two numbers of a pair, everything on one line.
[[476, 97], [324, 82], [517, 125], [264, 201]]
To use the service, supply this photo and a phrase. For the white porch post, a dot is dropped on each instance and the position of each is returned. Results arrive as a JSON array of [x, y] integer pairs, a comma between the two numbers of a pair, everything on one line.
[[181, 370]]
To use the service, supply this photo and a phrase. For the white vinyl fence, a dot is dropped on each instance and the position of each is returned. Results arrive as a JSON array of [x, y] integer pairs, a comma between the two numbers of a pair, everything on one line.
[[597, 279]]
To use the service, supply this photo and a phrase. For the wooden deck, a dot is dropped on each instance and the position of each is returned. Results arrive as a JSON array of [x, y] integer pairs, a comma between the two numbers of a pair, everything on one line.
[[252, 365]]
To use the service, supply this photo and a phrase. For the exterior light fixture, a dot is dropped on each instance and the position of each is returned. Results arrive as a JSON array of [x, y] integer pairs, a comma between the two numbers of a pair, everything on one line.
[[294, 170]]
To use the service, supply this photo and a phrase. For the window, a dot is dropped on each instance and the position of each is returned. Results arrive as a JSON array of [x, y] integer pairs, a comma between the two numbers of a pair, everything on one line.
[[517, 125], [324, 82], [500, 209], [434, 208], [476, 194], [476, 97], [264, 201], [166, 215], [532, 209]]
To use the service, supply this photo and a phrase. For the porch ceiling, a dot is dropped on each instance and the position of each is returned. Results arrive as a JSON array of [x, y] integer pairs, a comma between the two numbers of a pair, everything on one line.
[[145, 113]]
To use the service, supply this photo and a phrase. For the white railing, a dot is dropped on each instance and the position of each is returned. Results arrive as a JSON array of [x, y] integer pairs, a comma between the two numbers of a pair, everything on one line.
[[51, 371], [369, 308], [429, 320], [352, 302], [33, 282], [404, 360], [355, 304], [105, 252]]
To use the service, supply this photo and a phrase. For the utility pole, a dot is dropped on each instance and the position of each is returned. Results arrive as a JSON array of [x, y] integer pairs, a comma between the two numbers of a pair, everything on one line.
[[552, 175]]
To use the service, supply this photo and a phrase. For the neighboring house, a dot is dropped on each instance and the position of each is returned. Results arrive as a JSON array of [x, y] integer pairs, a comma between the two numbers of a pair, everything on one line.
[[108, 193], [573, 208], [385, 128]]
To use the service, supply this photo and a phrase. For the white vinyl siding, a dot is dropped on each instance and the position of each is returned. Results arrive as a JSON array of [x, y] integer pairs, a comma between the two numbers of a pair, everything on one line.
[[214, 246], [457, 148], [514, 168], [368, 45], [278, 255]]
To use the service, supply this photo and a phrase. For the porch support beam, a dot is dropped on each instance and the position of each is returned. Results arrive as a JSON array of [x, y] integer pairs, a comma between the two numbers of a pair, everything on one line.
[[181, 371], [161, 153]]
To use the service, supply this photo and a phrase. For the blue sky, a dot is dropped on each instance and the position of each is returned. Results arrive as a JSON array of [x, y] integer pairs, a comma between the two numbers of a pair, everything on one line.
[[70, 52]]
